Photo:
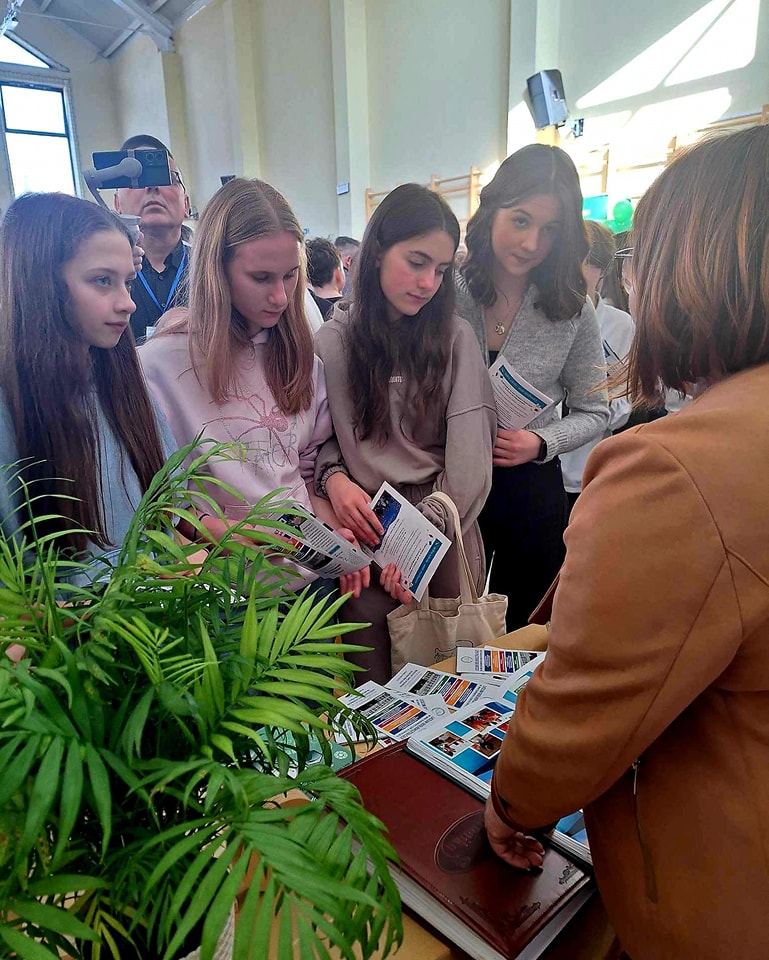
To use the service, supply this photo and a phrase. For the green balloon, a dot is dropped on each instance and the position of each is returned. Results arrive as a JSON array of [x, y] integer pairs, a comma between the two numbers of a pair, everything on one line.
[[623, 211]]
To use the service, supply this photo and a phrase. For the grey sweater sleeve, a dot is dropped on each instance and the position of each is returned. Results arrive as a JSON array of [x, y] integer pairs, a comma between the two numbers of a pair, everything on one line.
[[584, 379]]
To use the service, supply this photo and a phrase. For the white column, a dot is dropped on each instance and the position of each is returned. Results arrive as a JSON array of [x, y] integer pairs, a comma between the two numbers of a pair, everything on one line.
[[243, 84], [351, 112]]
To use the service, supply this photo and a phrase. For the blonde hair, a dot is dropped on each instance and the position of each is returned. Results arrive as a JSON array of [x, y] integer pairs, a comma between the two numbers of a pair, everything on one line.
[[243, 210]]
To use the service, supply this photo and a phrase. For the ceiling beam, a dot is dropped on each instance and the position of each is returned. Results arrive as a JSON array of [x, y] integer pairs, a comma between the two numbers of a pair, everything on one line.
[[44, 5], [37, 6], [156, 26], [129, 31], [10, 19], [190, 11]]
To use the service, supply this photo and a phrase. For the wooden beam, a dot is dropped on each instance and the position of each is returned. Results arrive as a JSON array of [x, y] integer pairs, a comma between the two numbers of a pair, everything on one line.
[[129, 31], [156, 26]]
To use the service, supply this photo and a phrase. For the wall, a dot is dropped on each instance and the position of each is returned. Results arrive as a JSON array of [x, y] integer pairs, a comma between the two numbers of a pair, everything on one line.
[[662, 68], [438, 87], [202, 44], [93, 103], [137, 77], [296, 108]]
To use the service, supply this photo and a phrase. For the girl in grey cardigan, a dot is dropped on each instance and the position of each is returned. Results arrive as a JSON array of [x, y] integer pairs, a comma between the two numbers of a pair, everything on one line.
[[521, 289]]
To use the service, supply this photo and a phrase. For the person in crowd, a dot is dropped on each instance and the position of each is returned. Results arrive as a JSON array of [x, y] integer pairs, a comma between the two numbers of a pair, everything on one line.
[[67, 365], [348, 248], [651, 709], [410, 399], [617, 330], [161, 282], [325, 273], [612, 286], [522, 290], [237, 364]]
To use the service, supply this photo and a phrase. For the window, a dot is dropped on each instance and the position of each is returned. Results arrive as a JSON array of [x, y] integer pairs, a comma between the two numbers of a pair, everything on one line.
[[37, 138], [13, 52]]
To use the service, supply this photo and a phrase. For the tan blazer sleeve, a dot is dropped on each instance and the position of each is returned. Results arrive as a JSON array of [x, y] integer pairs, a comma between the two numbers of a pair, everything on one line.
[[645, 618]]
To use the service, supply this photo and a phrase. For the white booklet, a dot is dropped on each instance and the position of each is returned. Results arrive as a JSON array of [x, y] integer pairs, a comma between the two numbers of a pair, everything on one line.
[[410, 541], [465, 747], [491, 660], [518, 402]]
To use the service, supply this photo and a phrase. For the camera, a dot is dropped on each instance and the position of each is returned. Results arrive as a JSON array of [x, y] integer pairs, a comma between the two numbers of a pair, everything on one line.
[[155, 171]]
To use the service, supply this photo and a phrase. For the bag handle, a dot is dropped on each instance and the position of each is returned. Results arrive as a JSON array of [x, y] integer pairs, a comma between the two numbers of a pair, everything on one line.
[[467, 590]]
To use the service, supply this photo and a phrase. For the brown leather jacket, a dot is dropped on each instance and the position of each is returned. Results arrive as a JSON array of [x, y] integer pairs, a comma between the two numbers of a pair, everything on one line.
[[652, 708]]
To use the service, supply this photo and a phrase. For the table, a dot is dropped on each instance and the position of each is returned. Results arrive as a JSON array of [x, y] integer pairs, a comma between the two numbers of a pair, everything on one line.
[[588, 937]]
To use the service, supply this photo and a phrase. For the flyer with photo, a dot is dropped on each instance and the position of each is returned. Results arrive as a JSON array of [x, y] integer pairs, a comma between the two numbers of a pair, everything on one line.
[[313, 545], [410, 541], [393, 717], [518, 402], [413, 680], [493, 660]]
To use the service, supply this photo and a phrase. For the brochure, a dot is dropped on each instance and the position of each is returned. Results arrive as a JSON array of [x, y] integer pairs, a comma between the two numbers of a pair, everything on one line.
[[315, 546], [410, 541], [518, 402], [492, 660], [393, 716], [465, 747], [414, 681]]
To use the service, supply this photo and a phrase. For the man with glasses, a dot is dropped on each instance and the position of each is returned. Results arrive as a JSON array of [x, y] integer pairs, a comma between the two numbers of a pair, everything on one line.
[[161, 282]]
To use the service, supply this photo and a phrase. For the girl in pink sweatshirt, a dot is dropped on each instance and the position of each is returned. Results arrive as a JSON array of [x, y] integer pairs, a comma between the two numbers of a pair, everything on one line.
[[237, 365]]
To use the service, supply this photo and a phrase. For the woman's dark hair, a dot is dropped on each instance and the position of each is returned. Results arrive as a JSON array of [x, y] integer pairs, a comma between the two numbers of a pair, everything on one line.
[[532, 171], [701, 265], [414, 347], [52, 385]]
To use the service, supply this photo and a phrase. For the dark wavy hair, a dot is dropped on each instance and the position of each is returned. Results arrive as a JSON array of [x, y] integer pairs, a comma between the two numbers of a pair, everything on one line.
[[534, 170], [415, 347], [51, 384]]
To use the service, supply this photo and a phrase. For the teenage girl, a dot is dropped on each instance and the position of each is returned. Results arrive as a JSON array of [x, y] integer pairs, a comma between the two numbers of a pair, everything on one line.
[[617, 329], [74, 410], [522, 290], [410, 399], [237, 365]]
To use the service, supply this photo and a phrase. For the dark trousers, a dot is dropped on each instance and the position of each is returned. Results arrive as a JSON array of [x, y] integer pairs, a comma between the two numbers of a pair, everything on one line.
[[522, 525]]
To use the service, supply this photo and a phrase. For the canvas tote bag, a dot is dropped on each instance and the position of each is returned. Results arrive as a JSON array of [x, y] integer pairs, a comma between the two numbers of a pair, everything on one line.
[[432, 628]]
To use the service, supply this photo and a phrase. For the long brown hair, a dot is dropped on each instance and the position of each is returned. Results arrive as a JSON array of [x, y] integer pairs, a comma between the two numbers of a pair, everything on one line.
[[240, 211], [701, 265], [534, 170], [414, 348], [51, 384]]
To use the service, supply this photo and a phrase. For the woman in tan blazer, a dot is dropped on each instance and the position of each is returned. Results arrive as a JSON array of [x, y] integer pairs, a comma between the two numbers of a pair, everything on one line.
[[652, 707]]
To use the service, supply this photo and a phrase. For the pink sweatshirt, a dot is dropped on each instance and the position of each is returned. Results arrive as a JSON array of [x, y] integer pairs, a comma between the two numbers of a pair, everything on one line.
[[279, 450]]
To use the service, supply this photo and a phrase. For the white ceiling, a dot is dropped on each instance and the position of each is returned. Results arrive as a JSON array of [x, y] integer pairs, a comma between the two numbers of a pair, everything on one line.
[[105, 25]]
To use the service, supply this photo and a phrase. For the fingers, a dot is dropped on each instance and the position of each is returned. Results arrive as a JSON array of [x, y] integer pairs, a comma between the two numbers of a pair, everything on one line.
[[391, 581]]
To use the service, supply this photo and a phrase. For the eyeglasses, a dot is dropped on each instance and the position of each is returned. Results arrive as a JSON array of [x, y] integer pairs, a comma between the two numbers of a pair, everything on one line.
[[624, 256], [176, 179]]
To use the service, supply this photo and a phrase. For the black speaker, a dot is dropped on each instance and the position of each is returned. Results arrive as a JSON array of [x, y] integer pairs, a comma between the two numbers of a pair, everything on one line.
[[546, 98]]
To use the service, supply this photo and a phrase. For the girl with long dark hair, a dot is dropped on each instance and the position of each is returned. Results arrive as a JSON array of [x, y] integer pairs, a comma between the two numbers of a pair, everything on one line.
[[409, 396], [522, 290], [76, 421]]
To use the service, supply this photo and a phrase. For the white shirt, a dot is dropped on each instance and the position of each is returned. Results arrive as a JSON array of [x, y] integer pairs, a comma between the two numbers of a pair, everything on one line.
[[617, 330]]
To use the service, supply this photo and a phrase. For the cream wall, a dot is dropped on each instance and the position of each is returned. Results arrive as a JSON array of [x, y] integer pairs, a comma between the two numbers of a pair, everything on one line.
[[296, 108], [438, 86], [137, 77]]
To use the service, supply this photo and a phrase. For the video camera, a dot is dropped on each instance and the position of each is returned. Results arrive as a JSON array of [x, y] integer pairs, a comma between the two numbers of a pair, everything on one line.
[[134, 169]]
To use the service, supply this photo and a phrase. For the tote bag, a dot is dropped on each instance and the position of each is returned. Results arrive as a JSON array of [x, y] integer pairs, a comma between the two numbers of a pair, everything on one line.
[[428, 630]]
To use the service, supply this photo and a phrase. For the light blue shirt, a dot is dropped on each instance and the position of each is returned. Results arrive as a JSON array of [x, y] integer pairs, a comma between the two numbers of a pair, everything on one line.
[[121, 490]]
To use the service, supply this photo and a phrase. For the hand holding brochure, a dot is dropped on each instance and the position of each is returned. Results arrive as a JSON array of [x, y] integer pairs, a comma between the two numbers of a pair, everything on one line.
[[312, 544], [410, 541], [518, 402]]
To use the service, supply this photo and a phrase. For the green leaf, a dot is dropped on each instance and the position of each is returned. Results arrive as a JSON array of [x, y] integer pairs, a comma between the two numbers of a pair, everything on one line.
[[16, 772], [71, 798], [102, 793], [24, 947], [44, 791], [51, 918]]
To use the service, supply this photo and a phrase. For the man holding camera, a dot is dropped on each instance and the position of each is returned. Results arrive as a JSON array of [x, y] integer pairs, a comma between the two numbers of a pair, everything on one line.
[[161, 282]]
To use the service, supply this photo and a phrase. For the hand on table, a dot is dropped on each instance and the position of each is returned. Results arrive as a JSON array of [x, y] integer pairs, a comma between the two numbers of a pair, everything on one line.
[[512, 846], [351, 505], [514, 447]]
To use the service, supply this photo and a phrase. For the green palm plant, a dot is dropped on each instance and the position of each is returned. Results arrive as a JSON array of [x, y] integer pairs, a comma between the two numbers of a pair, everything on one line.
[[145, 735]]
